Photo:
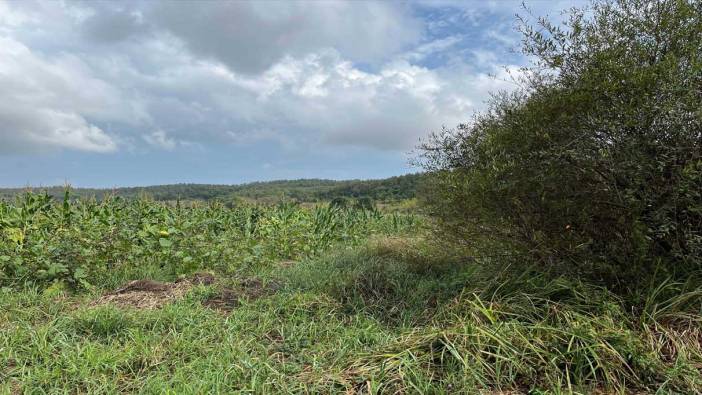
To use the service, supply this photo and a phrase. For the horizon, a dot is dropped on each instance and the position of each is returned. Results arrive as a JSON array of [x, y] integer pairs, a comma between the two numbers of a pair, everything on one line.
[[245, 183], [143, 93]]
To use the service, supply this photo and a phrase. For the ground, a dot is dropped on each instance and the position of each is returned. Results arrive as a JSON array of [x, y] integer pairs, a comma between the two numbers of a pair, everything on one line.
[[392, 316]]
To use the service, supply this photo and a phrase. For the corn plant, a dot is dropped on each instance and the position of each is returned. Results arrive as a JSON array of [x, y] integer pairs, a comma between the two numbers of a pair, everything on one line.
[[43, 241]]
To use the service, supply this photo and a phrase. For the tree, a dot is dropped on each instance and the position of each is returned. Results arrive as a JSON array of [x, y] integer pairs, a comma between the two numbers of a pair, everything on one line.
[[595, 163]]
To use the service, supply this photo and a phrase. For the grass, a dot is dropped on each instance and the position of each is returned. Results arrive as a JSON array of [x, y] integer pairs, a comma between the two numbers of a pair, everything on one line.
[[394, 315]]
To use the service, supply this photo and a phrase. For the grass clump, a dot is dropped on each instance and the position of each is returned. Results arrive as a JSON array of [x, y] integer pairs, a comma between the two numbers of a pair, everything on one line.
[[472, 326]]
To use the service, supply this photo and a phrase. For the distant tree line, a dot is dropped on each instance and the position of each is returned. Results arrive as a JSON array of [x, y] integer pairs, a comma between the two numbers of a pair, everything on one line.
[[302, 190]]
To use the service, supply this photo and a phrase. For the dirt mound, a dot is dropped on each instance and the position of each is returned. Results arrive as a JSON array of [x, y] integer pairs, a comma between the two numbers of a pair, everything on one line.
[[203, 279], [142, 286], [253, 288], [148, 294]]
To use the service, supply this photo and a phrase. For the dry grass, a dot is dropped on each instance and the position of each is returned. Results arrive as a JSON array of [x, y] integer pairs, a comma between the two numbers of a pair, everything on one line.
[[145, 294], [148, 294]]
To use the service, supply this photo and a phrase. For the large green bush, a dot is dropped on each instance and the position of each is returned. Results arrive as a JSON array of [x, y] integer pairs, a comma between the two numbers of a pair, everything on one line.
[[595, 164]]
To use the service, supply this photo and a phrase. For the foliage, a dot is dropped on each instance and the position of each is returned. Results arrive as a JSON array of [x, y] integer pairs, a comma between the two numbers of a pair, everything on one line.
[[271, 192], [78, 241], [596, 163], [594, 166]]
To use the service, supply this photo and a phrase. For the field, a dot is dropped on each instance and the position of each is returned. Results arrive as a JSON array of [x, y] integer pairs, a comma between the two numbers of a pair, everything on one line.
[[125, 296], [551, 244]]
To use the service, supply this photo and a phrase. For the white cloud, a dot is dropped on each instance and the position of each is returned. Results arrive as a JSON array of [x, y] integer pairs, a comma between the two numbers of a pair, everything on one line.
[[438, 45], [335, 102], [40, 100], [10, 18], [98, 76], [39, 129]]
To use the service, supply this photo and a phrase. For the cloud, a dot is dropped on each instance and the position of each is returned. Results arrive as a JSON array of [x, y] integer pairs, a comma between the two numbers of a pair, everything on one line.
[[101, 76], [159, 139], [337, 103], [435, 46], [37, 129], [250, 37], [39, 101], [110, 24]]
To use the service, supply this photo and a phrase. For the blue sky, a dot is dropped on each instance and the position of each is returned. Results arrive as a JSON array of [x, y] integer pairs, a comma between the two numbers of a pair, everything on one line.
[[103, 94]]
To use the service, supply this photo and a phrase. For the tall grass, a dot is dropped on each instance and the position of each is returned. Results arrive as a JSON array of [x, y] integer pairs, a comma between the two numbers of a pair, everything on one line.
[[463, 328]]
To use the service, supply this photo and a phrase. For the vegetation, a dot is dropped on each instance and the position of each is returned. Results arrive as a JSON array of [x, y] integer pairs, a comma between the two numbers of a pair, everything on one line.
[[558, 251], [400, 314], [595, 165], [385, 190], [79, 242]]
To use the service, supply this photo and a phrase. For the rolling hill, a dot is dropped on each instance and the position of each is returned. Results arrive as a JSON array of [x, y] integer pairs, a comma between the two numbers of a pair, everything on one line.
[[302, 190]]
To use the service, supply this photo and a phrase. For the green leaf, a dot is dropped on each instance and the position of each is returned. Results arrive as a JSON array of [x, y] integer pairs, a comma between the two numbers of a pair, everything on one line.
[[165, 243], [80, 273]]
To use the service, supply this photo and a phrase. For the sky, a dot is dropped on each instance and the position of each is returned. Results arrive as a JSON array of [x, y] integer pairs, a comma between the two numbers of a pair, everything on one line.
[[105, 94]]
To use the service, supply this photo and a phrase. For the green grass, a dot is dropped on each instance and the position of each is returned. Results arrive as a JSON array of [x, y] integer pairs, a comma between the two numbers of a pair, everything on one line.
[[369, 305], [394, 315]]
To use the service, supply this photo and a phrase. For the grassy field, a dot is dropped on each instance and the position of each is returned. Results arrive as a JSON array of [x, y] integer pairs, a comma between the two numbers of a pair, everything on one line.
[[133, 296]]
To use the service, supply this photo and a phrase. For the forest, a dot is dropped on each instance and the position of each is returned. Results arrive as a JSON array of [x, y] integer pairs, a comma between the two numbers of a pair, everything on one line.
[[304, 190]]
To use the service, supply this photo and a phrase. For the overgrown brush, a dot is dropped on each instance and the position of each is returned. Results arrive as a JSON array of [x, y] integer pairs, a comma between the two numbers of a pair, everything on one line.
[[394, 315], [594, 165], [472, 326]]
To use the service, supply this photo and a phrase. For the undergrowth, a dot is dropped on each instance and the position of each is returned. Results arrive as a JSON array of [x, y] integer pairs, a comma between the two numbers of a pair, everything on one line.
[[395, 315]]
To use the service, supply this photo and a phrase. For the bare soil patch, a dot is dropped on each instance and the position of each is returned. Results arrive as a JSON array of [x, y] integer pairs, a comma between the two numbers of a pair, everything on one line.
[[226, 300], [286, 264], [202, 279], [149, 294], [15, 387], [253, 288]]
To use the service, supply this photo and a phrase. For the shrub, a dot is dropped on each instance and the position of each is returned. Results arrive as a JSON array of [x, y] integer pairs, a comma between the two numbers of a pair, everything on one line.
[[364, 203], [595, 163]]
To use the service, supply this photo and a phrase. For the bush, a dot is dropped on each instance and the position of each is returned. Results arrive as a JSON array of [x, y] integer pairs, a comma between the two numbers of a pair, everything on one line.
[[595, 164], [364, 203]]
